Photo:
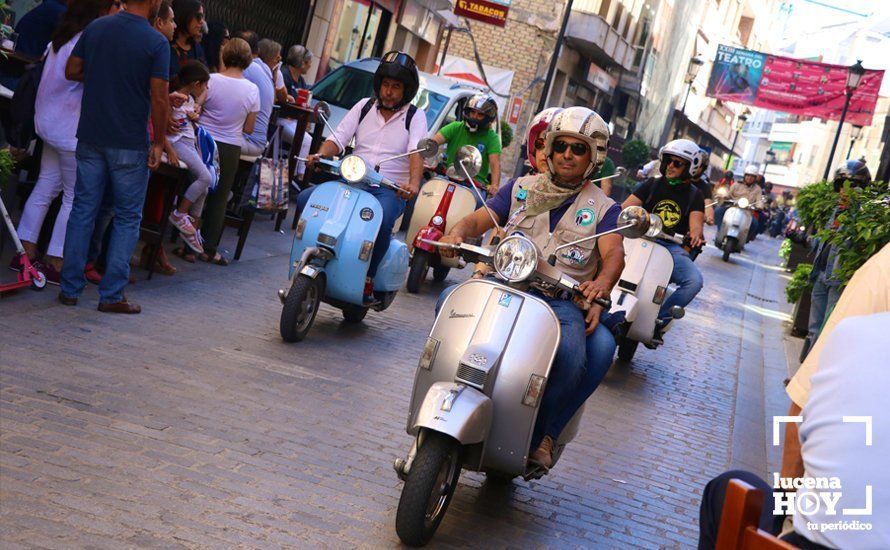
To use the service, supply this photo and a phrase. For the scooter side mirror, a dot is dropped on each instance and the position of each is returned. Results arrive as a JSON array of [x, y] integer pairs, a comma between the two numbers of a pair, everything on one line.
[[635, 221], [321, 108], [428, 148], [470, 159], [620, 172]]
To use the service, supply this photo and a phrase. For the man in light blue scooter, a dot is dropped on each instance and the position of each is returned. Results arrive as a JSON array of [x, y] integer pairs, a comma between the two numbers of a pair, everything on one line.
[[557, 207], [383, 126]]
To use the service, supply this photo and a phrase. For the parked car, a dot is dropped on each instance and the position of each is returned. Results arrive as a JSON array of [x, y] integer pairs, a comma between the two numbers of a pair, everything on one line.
[[441, 98]]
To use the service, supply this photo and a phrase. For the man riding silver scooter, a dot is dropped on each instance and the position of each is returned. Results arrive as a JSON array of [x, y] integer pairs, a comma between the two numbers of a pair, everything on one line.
[[558, 230]]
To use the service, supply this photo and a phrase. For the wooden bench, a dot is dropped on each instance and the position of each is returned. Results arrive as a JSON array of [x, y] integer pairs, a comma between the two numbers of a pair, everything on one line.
[[739, 522]]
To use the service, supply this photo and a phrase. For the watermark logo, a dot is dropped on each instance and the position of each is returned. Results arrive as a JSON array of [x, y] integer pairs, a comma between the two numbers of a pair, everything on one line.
[[821, 495]]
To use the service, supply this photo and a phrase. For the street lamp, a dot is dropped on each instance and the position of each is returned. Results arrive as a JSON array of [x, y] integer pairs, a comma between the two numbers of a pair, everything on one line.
[[854, 135], [854, 77], [738, 128], [770, 157], [691, 72]]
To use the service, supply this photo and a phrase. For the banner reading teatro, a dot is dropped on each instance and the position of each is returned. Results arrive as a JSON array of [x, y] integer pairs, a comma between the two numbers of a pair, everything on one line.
[[487, 11], [790, 85]]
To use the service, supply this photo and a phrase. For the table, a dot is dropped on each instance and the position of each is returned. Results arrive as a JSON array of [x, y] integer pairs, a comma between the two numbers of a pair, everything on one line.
[[174, 181], [303, 116]]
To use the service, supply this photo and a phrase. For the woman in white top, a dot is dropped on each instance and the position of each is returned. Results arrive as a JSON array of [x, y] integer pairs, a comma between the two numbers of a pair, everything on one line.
[[229, 110], [57, 112]]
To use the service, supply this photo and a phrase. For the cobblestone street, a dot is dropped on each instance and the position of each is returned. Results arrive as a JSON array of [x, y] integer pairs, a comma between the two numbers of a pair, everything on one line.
[[193, 424]]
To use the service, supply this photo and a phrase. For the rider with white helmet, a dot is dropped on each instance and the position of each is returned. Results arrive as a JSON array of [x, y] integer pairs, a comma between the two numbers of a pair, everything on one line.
[[748, 189], [700, 179], [681, 207], [554, 208], [475, 129]]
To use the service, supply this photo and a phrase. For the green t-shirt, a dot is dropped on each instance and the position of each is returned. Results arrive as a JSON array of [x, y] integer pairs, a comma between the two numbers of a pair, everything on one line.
[[457, 135]]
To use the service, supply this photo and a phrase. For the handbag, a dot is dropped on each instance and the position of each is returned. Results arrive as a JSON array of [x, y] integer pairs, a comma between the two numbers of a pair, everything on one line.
[[270, 192]]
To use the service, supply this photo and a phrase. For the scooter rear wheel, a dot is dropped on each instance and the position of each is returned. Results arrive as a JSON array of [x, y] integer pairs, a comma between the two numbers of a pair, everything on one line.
[[428, 489], [300, 308], [440, 272], [419, 266], [627, 349], [38, 281], [354, 314]]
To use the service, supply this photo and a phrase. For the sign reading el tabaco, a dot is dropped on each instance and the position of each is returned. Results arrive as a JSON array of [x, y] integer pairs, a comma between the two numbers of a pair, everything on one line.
[[493, 12], [796, 86]]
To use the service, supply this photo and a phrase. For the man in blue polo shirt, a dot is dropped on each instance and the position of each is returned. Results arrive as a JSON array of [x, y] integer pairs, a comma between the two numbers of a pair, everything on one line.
[[123, 63]]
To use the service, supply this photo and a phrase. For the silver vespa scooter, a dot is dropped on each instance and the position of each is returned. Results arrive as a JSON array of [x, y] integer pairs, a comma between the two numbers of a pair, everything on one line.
[[482, 373], [733, 232]]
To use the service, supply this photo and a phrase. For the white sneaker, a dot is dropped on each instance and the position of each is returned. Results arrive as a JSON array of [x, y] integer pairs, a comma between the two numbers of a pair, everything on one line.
[[194, 241], [182, 222]]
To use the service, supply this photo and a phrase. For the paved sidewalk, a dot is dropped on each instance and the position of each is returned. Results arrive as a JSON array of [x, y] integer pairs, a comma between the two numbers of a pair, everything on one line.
[[193, 425]]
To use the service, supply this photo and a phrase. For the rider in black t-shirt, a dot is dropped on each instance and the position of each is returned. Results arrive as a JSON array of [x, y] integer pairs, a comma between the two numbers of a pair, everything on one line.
[[680, 205]]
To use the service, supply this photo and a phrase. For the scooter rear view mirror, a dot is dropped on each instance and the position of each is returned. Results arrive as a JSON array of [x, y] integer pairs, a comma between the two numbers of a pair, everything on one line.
[[322, 112], [635, 221], [428, 148], [470, 159]]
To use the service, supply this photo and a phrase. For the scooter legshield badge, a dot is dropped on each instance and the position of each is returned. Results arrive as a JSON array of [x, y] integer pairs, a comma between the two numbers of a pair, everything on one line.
[[504, 301]]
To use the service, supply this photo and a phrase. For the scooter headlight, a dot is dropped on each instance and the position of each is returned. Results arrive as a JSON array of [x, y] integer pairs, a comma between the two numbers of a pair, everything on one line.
[[516, 258], [744, 203], [353, 169], [655, 226]]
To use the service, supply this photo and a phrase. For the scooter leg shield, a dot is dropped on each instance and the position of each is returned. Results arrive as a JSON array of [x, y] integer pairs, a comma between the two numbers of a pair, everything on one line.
[[456, 410]]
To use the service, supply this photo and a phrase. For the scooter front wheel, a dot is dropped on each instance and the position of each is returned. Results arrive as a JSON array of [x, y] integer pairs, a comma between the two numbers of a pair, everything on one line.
[[419, 266], [38, 280], [729, 245], [627, 349], [428, 489], [300, 307]]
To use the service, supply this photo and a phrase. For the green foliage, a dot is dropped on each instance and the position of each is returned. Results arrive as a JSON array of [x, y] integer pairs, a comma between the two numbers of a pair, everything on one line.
[[6, 165], [799, 282], [634, 153], [506, 134], [815, 203], [785, 250], [863, 228]]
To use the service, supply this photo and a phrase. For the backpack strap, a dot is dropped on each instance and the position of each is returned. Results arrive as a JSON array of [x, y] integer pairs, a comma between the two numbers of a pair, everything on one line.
[[410, 115], [366, 108]]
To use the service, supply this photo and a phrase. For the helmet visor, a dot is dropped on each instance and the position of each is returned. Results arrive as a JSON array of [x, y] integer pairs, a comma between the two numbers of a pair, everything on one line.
[[399, 58]]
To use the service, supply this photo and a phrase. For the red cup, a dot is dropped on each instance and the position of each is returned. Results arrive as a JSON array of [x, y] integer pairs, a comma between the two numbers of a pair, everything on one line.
[[304, 96]]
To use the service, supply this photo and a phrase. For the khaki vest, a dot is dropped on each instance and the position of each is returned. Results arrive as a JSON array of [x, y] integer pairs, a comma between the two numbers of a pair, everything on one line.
[[752, 193], [580, 220]]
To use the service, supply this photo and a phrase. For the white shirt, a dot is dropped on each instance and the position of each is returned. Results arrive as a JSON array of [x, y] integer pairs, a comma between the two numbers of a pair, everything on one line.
[[853, 379], [229, 101], [377, 139], [57, 106], [180, 116]]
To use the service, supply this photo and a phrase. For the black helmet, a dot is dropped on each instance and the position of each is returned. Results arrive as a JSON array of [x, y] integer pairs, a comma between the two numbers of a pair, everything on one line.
[[854, 170], [401, 67], [486, 105]]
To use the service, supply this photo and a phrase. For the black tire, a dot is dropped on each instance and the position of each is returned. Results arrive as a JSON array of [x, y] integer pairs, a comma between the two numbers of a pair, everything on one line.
[[728, 247], [419, 266], [440, 272], [300, 307], [406, 215], [627, 349], [354, 314], [428, 489]]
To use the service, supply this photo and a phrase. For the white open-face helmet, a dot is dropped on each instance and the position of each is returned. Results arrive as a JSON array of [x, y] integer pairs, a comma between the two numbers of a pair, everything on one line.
[[584, 124], [700, 165], [684, 149], [751, 170]]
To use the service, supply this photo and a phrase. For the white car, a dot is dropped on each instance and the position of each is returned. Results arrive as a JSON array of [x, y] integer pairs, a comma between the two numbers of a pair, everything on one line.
[[441, 98]]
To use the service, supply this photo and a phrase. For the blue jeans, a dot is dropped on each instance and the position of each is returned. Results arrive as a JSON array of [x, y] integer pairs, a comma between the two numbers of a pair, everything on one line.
[[125, 172], [719, 212], [569, 376], [101, 234], [686, 276], [823, 298], [392, 206]]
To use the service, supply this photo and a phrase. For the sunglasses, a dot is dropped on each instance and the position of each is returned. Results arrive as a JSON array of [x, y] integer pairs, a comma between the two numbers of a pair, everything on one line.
[[678, 163], [539, 144], [578, 149]]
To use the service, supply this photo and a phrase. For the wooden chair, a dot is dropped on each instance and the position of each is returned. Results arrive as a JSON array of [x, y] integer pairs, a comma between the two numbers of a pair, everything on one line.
[[741, 516], [239, 214]]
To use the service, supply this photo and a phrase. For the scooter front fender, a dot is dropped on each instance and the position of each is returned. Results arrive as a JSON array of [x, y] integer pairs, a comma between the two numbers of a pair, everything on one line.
[[459, 411], [431, 234]]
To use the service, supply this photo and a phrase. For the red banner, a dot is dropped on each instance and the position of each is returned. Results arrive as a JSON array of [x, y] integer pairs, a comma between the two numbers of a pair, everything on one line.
[[487, 11], [795, 86]]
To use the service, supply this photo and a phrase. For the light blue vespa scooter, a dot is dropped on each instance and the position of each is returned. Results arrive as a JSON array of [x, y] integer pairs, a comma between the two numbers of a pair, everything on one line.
[[333, 244]]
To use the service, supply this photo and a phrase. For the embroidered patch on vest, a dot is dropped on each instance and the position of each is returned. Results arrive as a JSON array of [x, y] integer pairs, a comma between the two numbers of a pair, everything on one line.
[[574, 255], [585, 217], [521, 194]]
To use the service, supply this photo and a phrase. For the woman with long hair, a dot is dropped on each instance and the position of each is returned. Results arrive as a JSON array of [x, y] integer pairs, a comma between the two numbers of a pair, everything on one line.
[[56, 115], [217, 36], [189, 17]]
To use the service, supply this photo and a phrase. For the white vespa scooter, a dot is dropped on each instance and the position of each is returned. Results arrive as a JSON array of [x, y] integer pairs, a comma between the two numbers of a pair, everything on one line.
[[643, 286], [481, 376], [733, 232]]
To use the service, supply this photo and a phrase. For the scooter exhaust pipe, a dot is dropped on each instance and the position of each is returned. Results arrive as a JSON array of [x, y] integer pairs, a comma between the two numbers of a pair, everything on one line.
[[282, 294]]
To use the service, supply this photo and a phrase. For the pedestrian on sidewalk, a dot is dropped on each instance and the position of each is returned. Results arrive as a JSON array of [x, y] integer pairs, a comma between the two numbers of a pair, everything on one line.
[[116, 53]]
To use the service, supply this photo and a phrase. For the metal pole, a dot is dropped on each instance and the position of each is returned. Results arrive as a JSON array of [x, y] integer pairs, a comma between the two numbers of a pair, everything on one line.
[[731, 150], [837, 135], [682, 111], [850, 150], [445, 50], [548, 81]]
